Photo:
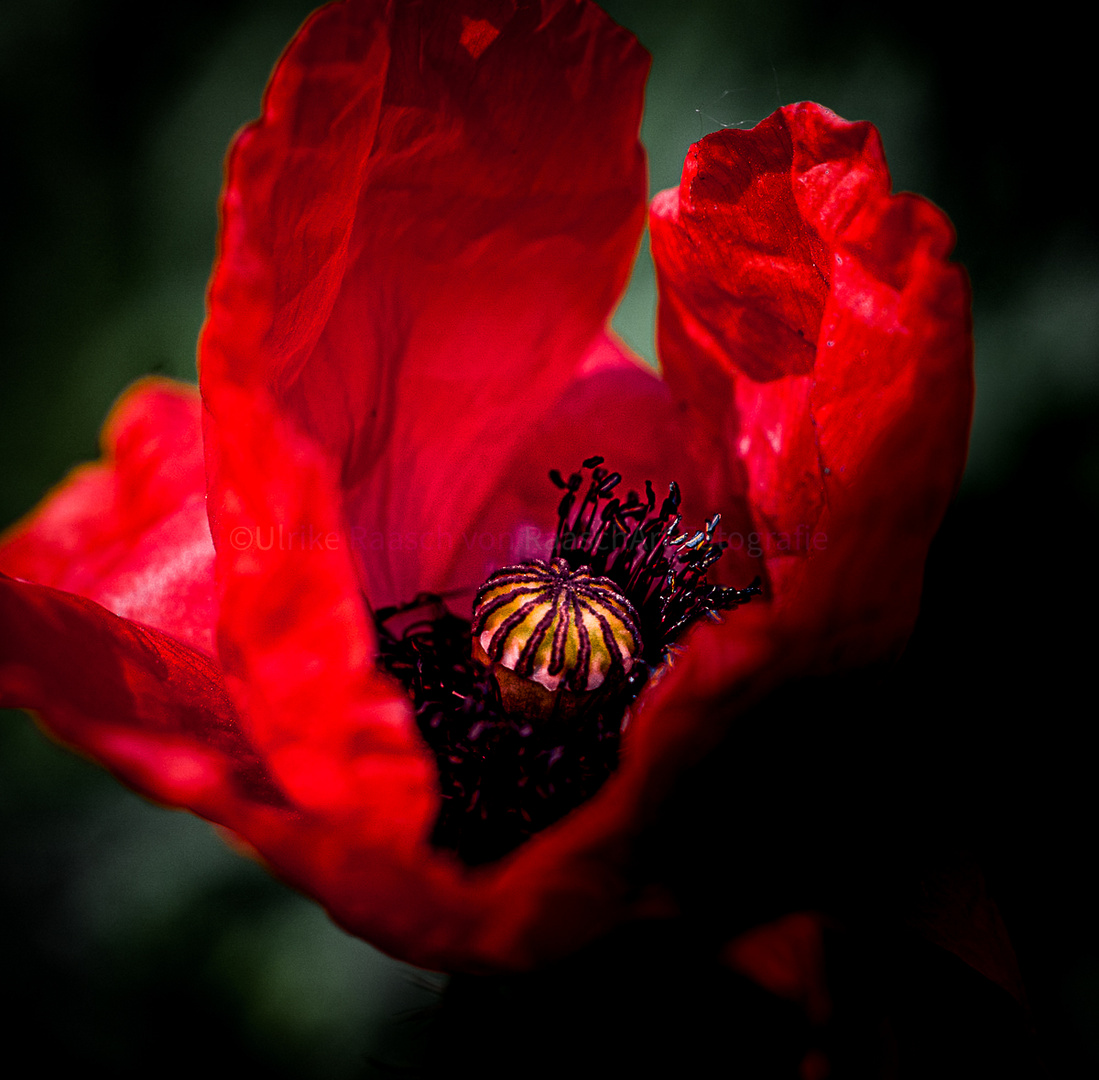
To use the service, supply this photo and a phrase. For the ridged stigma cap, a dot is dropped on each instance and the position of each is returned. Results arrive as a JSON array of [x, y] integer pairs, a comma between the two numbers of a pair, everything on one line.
[[560, 627]]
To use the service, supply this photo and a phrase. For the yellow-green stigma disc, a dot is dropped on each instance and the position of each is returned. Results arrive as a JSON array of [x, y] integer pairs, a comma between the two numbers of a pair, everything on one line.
[[560, 627]]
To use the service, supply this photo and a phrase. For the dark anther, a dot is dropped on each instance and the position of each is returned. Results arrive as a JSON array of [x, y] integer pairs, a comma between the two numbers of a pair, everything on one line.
[[609, 483], [590, 463]]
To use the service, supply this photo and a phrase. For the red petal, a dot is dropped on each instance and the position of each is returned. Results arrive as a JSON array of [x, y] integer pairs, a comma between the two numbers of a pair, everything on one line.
[[421, 238], [822, 342], [294, 636], [149, 708], [130, 532]]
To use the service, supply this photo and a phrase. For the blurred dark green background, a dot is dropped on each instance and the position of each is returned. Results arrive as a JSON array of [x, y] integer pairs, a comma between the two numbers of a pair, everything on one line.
[[125, 929]]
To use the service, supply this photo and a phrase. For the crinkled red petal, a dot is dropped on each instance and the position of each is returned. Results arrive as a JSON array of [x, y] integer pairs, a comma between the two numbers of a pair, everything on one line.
[[295, 638], [421, 238], [821, 343], [131, 531], [151, 709]]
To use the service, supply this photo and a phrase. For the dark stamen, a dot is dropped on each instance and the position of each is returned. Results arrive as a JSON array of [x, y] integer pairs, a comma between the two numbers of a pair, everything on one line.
[[502, 778], [662, 574]]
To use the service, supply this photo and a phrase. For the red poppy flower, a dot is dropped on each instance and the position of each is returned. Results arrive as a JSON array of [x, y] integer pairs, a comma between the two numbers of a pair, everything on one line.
[[422, 240]]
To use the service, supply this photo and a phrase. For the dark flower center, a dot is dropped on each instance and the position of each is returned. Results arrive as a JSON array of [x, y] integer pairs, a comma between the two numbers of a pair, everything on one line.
[[523, 708]]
